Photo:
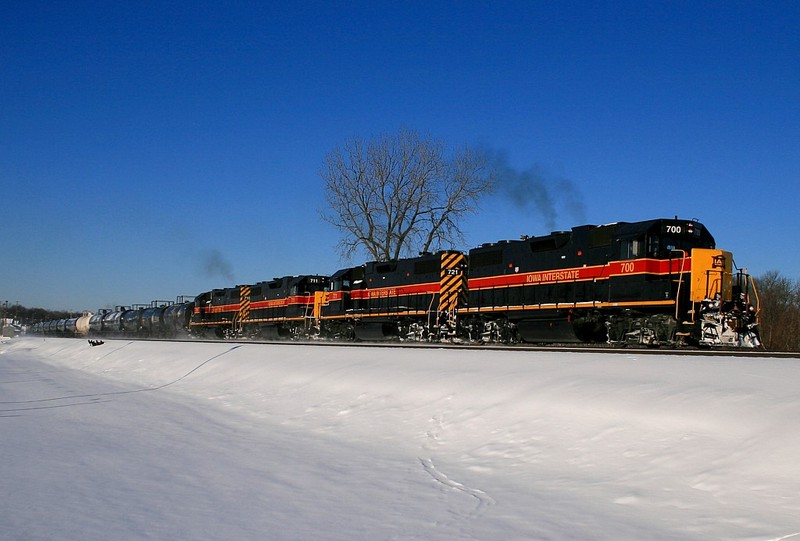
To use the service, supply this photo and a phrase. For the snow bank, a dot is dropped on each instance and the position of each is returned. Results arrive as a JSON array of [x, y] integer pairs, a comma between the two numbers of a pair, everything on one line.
[[481, 444]]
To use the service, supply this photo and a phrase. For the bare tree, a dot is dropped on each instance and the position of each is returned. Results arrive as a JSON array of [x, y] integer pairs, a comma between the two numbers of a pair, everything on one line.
[[780, 311], [400, 193]]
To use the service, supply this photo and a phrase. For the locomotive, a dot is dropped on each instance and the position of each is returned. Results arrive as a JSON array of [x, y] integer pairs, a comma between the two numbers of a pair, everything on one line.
[[655, 282]]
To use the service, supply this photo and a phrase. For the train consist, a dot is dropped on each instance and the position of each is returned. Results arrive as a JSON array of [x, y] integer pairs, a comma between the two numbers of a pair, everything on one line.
[[656, 282]]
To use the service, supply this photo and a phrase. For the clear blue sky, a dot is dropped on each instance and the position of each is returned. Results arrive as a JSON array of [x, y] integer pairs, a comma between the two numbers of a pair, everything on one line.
[[149, 149]]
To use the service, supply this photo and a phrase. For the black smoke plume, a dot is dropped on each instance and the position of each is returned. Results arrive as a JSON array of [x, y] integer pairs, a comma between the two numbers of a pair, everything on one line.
[[537, 189], [214, 264]]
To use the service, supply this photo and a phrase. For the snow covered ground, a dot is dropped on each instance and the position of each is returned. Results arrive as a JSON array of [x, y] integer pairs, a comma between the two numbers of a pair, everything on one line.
[[144, 440]]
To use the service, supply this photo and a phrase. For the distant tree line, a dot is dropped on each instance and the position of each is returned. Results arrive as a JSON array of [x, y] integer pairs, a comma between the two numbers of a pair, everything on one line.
[[779, 298], [27, 316]]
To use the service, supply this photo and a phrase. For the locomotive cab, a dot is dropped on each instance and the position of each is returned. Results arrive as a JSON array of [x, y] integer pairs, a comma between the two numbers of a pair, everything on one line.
[[666, 237], [337, 302], [683, 267], [335, 305]]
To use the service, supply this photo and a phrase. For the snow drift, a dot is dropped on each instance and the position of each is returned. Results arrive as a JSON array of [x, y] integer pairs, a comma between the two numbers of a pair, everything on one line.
[[226, 441]]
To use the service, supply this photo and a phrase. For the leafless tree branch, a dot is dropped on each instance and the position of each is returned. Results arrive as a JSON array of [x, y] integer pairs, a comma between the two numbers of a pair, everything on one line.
[[399, 193]]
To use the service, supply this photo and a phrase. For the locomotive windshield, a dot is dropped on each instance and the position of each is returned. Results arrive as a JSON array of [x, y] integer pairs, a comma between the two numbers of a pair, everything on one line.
[[675, 236], [658, 239]]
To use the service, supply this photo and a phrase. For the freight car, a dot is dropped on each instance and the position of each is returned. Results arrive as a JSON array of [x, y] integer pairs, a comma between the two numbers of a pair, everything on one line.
[[162, 319], [77, 326]]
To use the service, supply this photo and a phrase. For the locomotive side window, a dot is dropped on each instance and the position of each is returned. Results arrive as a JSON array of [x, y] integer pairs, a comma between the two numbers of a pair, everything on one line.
[[631, 248], [653, 246], [663, 246]]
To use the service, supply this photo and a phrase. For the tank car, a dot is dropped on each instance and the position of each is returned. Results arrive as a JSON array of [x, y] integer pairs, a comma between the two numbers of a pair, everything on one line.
[[112, 322], [176, 319], [82, 324], [152, 321], [164, 319], [96, 322], [131, 322], [70, 327]]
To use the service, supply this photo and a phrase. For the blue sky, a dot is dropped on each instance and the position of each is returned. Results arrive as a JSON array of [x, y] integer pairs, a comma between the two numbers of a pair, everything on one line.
[[150, 149]]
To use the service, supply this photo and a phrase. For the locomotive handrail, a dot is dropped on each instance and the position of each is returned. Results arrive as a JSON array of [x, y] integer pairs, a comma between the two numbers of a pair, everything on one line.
[[680, 282], [430, 310], [709, 281]]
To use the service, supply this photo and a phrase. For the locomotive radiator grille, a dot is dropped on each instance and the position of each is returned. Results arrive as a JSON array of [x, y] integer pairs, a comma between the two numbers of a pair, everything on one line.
[[453, 282]]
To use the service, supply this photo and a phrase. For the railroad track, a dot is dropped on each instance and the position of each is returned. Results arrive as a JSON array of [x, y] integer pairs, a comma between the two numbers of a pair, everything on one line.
[[568, 348]]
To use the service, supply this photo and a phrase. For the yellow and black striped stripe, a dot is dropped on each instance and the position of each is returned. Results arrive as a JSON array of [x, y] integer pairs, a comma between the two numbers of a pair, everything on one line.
[[244, 303], [453, 281]]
